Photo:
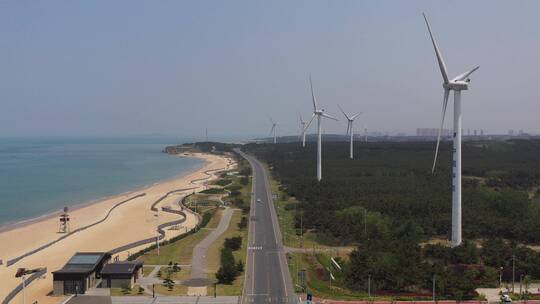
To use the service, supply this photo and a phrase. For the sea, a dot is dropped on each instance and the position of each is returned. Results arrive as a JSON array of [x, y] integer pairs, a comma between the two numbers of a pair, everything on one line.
[[41, 175]]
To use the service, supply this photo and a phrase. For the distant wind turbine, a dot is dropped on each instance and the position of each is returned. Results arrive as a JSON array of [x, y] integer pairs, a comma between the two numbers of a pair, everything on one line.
[[458, 84], [319, 113], [273, 130], [302, 130], [350, 120], [365, 133]]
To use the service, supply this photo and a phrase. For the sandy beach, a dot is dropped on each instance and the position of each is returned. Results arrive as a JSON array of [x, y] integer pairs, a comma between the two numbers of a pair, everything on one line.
[[127, 223]]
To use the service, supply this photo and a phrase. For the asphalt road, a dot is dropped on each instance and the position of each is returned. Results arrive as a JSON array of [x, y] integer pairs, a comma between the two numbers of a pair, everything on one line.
[[267, 275]]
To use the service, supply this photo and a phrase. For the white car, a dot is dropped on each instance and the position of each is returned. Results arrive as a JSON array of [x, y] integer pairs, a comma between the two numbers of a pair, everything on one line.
[[258, 200]]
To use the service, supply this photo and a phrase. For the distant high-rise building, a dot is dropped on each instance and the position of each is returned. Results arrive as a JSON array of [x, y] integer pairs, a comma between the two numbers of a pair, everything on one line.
[[468, 132], [481, 132], [474, 132], [511, 132]]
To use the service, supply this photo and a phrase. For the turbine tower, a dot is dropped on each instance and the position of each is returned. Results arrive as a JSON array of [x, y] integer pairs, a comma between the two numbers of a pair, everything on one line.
[[350, 120], [302, 130], [273, 130], [365, 133], [457, 84], [319, 113]]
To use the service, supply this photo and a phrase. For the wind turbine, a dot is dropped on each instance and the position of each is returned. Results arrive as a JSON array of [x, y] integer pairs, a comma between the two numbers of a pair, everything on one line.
[[365, 133], [302, 130], [273, 130], [457, 84], [350, 120], [319, 113]]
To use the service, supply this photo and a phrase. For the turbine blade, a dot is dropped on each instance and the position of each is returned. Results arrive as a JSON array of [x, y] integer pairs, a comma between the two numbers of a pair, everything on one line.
[[328, 116], [354, 116], [465, 75], [272, 130], [309, 123], [445, 103], [343, 111], [442, 66], [312, 95]]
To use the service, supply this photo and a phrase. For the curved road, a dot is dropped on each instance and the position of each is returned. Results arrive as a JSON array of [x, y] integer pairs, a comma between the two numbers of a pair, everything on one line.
[[267, 277]]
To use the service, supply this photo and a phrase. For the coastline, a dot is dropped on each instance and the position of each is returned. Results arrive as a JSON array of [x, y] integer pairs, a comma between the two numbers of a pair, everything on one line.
[[5, 227], [130, 222]]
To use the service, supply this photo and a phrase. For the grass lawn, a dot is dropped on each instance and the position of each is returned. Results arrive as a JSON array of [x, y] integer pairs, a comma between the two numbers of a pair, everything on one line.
[[178, 290], [214, 256], [181, 275], [286, 218], [179, 251], [214, 222], [214, 251], [146, 270], [222, 182], [126, 292], [317, 277]]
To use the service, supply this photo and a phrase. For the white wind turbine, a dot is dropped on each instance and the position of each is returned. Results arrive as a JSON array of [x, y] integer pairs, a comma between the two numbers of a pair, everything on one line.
[[365, 133], [350, 120], [458, 84], [319, 112], [302, 130], [273, 130]]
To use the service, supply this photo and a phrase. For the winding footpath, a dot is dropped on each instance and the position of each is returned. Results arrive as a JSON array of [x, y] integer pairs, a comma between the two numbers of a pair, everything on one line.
[[199, 257]]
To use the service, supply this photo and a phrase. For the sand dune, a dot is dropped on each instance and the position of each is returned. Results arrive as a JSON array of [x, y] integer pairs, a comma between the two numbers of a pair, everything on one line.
[[128, 223]]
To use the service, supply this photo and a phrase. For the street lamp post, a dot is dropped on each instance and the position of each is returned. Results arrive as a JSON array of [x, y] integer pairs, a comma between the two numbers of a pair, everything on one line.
[[513, 271], [21, 273], [23, 277], [433, 288], [369, 286], [157, 230], [365, 223], [500, 277], [520, 285]]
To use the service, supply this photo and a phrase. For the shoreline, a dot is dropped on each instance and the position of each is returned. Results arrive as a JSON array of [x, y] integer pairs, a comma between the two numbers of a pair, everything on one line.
[[5, 227], [30, 233]]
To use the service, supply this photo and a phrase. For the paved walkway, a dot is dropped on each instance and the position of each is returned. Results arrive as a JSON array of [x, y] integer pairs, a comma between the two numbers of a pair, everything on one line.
[[176, 300], [198, 260]]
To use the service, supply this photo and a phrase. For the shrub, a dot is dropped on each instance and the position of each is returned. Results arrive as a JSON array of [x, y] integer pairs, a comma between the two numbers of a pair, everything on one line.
[[240, 266], [213, 191], [233, 243], [243, 223], [228, 271], [233, 188], [223, 182], [206, 217]]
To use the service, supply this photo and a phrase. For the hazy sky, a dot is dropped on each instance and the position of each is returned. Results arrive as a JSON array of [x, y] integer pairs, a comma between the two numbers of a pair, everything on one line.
[[176, 67]]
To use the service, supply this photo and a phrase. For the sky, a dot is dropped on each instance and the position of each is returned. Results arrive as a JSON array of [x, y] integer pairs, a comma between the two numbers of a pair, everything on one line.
[[128, 68]]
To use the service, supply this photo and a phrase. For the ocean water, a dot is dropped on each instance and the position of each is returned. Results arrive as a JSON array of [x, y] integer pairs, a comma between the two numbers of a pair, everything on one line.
[[42, 175]]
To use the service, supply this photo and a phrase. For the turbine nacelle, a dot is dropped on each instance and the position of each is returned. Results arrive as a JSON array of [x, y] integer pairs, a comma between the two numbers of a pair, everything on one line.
[[457, 85]]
